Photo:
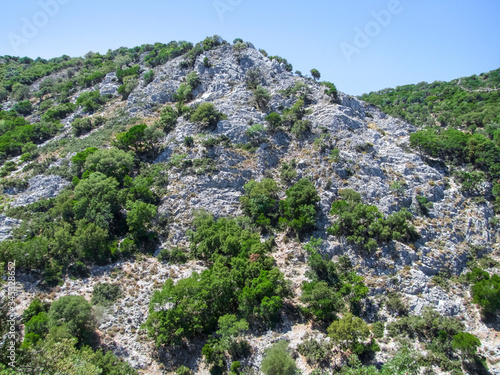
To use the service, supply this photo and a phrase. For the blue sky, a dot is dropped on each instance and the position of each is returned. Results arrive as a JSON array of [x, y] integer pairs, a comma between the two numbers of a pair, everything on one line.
[[361, 46]]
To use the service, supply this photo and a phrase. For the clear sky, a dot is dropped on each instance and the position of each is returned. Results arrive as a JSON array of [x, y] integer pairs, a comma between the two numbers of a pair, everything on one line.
[[361, 46]]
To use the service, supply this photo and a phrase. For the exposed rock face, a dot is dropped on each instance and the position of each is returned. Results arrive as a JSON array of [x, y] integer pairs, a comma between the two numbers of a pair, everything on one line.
[[374, 154], [40, 187], [6, 226]]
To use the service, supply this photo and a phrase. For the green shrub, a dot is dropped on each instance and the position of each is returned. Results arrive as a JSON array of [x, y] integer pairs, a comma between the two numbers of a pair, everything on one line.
[[105, 294], [288, 173], [334, 155], [189, 141], [423, 205], [175, 255], [168, 119], [193, 80], [23, 108], [278, 361], [207, 115], [365, 225], [315, 351], [206, 63], [274, 120], [59, 112], [121, 74], [75, 313], [253, 78], [378, 329], [348, 331], [148, 77], [466, 343], [111, 162], [260, 201], [395, 304], [486, 292], [90, 101], [298, 210], [81, 126], [20, 92], [4, 94], [129, 85], [261, 98], [183, 370]]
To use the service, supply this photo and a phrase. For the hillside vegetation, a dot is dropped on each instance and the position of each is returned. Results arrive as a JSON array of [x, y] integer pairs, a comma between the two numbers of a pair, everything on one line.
[[199, 208]]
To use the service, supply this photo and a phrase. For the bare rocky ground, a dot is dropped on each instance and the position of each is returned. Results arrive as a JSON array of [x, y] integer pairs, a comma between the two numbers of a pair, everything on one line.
[[456, 223]]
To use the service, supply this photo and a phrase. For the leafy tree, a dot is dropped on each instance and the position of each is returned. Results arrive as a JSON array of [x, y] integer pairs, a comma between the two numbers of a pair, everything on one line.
[[23, 108], [261, 97], [97, 199], [139, 217], [486, 293], [207, 115], [193, 80], [466, 343], [81, 126], [168, 119], [111, 162], [274, 120], [148, 77], [348, 331], [315, 74], [129, 85], [278, 361], [91, 242], [298, 210], [260, 201], [75, 313], [133, 139]]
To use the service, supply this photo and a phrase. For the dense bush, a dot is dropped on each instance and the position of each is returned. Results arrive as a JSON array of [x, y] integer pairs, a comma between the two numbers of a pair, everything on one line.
[[241, 280], [105, 294], [298, 209], [148, 77], [365, 224], [207, 115], [261, 98], [129, 85], [59, 112], [23, 108], [74, 313], [486, 290], [260, 201], [348, 331], [50, 346], [278, 361], [90, 101], [81, 126], [332, 286], [274, 120]]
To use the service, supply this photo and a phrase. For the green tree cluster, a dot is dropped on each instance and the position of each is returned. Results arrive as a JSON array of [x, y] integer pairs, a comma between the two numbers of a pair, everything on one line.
[[241, 281], [365, 225]]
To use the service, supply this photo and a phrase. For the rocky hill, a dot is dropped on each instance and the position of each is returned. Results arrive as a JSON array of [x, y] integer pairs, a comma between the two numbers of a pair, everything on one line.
[[187, 164]]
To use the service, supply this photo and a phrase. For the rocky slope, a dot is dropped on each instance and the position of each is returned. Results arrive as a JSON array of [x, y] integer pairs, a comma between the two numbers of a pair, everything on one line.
[[374, 153]]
